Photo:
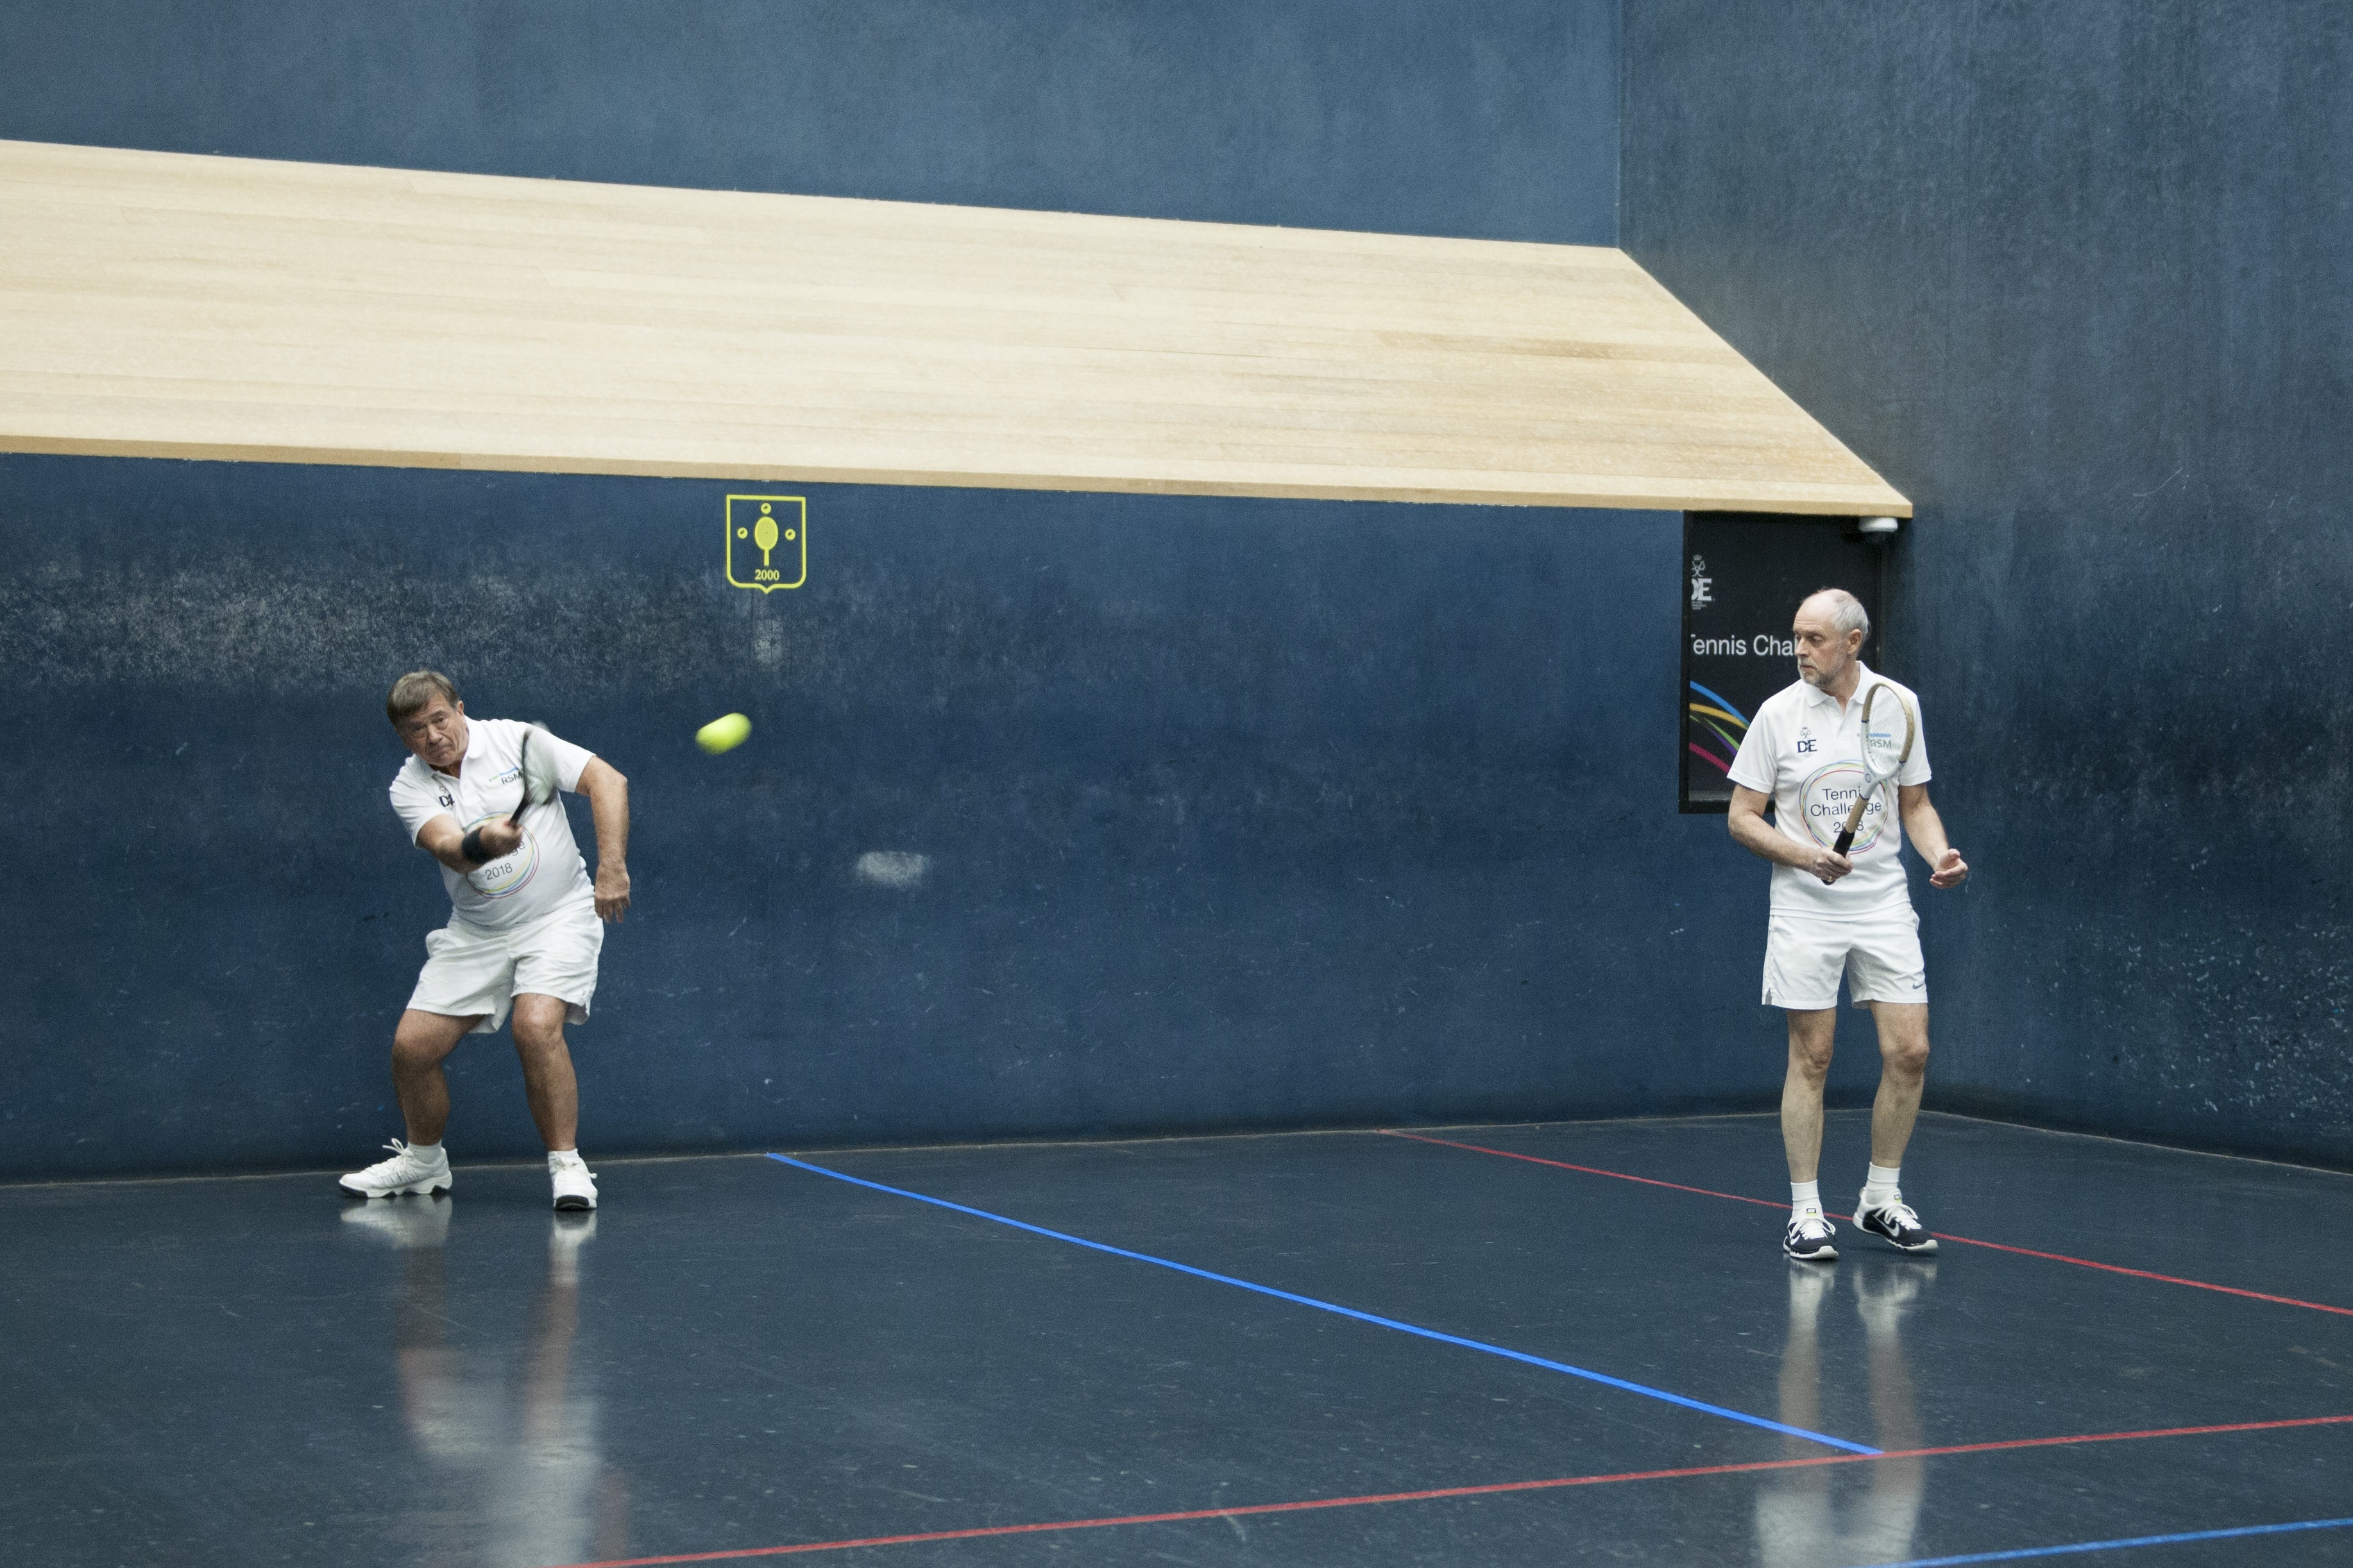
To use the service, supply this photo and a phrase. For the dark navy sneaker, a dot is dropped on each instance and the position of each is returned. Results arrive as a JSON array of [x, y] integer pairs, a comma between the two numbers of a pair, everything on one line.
[[1808, 1239], [1897, 1225]]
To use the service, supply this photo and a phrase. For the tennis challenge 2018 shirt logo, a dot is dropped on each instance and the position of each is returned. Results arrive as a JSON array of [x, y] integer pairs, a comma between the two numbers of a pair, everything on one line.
[[509, 874], [767, 542], [1828, 795]]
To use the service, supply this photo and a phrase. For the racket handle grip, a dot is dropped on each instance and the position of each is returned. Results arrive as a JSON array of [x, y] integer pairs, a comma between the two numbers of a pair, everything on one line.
[[1846, 841]]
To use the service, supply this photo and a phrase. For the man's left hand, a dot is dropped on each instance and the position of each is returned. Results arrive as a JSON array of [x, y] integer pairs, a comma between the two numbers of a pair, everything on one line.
[[1951, 870], [612, 891]]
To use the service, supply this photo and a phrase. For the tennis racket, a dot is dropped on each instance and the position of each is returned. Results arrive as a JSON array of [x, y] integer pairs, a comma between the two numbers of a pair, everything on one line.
[[1887, 731], [537, 775]]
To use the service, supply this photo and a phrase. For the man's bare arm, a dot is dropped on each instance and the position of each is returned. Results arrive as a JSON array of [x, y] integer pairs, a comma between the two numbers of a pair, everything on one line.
[[445, 841], [1758, 836], [609, 802], [1927, 831]]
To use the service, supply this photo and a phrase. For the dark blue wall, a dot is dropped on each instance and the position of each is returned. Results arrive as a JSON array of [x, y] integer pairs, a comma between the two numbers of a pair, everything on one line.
[[1493, 119], [1236, 813], [2079, 278]]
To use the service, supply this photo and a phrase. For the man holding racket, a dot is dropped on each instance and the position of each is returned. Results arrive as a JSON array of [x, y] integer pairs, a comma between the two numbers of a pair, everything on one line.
[[479, 795], [1842, 762]]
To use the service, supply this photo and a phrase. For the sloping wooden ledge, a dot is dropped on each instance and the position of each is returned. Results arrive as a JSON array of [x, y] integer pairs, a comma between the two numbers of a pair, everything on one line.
[[166, 305]]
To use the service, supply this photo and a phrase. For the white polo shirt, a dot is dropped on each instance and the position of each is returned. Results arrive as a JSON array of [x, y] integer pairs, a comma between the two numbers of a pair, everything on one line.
[[545, 872], [1808, 756]]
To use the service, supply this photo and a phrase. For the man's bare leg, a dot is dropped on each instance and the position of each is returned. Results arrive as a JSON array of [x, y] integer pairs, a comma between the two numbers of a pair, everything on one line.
[[1810, 1036], [420, 1044], [547, 1078], [1903, 1070]]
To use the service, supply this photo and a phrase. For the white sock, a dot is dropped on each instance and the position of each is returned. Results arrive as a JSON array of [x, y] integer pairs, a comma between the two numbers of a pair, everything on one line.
[[1804, 1196], [429, 1152], [557, 1157], [1879, 1189]]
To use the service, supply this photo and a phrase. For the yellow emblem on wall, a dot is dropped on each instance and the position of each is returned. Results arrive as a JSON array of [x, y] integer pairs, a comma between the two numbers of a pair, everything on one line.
[[767, 542]]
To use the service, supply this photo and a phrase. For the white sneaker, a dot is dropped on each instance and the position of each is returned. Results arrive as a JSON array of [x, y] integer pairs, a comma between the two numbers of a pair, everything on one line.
[[574, 1182], [406, 1172], [1896, 1221], [1809, 1237]]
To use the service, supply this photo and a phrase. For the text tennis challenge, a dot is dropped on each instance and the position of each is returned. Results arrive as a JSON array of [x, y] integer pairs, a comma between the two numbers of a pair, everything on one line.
[[1764, 644]]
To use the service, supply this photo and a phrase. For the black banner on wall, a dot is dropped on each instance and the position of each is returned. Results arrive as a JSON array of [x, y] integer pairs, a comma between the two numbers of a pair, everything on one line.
[[1744, 576]]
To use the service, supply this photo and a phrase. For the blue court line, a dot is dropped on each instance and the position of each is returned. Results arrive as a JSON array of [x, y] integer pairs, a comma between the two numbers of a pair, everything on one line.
[[1643, 1389], [2025, 1551]]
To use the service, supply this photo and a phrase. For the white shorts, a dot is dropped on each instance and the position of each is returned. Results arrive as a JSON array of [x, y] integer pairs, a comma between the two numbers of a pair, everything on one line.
[[1879, 954], [469, 970]]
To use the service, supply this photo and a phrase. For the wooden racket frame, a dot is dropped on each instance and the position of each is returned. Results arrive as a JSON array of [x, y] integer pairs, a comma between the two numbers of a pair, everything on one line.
[[1910, 733]]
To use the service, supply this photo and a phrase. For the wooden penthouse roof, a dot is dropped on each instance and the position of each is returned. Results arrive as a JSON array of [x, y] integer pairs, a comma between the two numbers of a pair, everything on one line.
[[169, 305]]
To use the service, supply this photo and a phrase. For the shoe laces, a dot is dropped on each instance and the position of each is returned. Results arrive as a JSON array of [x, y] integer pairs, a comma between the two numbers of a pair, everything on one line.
[[1899, 1213], [1811, 1222]]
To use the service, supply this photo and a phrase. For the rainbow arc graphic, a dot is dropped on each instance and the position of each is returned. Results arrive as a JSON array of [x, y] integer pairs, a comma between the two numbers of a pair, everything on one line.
[[1714, 731]]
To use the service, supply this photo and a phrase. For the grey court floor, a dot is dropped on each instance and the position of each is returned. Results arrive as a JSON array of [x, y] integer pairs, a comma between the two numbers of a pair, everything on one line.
[[1531, 1344]]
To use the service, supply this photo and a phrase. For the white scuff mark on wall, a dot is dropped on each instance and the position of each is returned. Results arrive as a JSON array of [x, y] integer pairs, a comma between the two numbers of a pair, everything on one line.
[[892, 867]]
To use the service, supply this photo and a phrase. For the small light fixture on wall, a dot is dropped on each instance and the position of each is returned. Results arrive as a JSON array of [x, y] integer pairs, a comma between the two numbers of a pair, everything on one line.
[[1876, 527]]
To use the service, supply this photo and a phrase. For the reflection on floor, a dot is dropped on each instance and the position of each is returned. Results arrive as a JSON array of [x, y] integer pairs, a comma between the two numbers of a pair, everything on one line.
[[514, 1446], [735, 1355], [1865, 1513]]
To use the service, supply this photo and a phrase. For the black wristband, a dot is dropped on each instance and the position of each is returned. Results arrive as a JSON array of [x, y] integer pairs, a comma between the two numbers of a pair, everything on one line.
[[471, 847]]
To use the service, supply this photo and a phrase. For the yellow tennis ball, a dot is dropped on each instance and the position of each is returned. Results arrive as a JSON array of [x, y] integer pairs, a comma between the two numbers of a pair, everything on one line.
[[724, 734]]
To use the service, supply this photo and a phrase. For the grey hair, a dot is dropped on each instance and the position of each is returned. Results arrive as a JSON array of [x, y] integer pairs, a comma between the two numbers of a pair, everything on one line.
[[1847, 613]]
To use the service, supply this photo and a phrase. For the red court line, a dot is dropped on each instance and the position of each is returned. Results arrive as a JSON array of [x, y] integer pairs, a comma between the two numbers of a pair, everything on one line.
[[1943, 1235], [1589, 1170], [1489, 1489]]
